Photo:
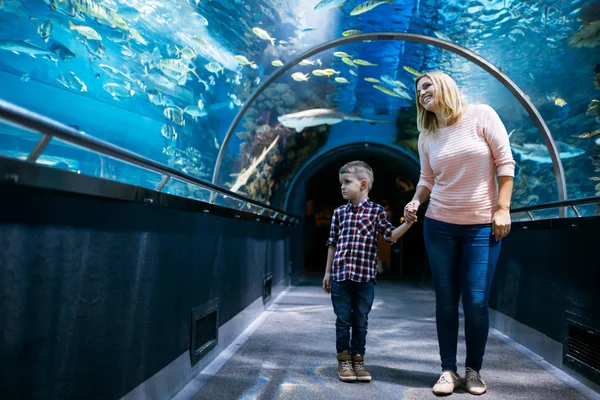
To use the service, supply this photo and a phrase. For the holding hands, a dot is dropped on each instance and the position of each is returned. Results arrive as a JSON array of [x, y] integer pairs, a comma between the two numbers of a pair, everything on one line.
[[410, 211]]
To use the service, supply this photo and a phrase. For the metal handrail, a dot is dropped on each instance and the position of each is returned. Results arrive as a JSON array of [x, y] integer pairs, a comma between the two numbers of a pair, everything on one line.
[[562, 204], [49, 128], [412, 37]]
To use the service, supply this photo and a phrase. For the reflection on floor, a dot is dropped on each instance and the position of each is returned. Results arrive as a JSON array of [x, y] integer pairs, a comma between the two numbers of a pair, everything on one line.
[[292, 354]]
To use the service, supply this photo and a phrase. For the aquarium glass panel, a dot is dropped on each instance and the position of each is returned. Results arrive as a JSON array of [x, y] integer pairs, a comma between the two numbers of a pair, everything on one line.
[[179, 188], [17, 142], [355, 93], [166, 78], [63, 155]]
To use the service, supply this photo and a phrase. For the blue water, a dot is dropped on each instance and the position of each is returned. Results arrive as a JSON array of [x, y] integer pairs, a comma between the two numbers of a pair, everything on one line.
[[162, 110]]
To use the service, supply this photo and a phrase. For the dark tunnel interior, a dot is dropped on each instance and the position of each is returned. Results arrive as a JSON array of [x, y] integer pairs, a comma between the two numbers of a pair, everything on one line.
[[393, 187]]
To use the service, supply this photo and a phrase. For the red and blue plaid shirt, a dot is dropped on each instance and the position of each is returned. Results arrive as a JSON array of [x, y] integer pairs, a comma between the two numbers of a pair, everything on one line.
[[354, 232]]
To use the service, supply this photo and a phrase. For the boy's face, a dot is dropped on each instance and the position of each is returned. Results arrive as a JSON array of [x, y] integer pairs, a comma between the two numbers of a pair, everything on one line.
[[351, 186]]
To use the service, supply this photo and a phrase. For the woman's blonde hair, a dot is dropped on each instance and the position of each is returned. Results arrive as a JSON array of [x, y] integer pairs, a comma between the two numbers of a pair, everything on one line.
[[447, 96]]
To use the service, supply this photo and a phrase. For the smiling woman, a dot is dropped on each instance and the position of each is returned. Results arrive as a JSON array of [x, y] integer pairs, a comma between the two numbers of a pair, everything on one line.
[[463, 149]]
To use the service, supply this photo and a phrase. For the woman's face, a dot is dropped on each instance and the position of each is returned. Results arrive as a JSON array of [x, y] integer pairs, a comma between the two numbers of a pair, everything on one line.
[[426, 93]]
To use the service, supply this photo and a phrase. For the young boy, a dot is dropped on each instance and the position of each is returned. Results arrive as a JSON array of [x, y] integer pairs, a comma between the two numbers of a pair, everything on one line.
[[352, 265]]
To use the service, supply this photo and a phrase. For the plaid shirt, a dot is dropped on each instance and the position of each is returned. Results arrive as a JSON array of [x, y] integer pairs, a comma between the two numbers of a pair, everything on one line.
[[354, 233]]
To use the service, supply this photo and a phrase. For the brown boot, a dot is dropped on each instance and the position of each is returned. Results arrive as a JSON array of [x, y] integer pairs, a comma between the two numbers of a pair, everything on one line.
[[358, 363], [345, 371]]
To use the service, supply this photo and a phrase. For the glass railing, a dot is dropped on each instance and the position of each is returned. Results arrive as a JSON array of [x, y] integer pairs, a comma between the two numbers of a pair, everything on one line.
[[575, 208], [60, 144]]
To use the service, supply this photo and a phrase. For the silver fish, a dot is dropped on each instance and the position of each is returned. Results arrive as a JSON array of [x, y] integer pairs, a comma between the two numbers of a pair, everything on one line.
[[539, 152], [320, 116]]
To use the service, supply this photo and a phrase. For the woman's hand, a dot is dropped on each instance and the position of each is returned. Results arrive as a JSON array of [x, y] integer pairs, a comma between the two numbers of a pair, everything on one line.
[[501, 224], [410, 211]]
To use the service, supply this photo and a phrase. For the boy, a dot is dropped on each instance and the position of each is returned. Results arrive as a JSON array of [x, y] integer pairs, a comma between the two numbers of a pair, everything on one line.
[[352, 265]]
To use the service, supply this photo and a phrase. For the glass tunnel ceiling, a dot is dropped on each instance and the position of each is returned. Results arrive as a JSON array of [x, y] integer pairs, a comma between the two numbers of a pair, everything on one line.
[[167, 78]]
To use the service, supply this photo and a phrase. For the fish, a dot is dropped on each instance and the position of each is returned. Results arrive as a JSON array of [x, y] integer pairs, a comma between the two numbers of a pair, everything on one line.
[[89, 33], [244, 61], [411, 71], [264, 35], [72, 82], [348, 61], [560, 102], [341, 80], [214, 67], [368, 6], [330, 71], [386, 91], [277, 63], [320, 116], [350, 32], [169, 132], [45, 30], [364, 63], [440, 35], [299, 76], [539, 152], [23, 46], [117, 91], [306, 62], [587, 134], [326, 4], [341, 54]]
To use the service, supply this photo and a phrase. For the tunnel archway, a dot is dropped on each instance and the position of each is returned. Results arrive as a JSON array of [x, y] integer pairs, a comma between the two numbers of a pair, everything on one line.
[[315, 193], [495, 72]]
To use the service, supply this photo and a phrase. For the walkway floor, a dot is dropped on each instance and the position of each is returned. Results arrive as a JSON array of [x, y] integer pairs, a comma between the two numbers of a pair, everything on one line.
[[292, 354]]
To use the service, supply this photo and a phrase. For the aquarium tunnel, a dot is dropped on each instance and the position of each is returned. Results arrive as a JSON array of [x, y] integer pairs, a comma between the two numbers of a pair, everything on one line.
[[169, 172]]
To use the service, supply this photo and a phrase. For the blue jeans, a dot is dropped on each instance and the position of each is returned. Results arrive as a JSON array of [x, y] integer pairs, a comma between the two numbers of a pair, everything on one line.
[[462, 259], [352, 302]]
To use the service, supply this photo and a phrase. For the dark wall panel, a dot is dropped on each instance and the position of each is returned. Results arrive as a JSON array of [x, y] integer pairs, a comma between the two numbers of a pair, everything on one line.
[[96, 294], [546, 270]]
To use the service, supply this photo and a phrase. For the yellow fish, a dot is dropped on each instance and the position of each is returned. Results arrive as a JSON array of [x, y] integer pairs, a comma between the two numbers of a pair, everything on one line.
[[244, 61], [385, 90], [373, 80], [277, 63], [319, 72], [341, 80], [364, 63], [350, 32], [264, 35], [299, 76], [348, 61], [368, 6], [331, 71], [86, 31], [411, 70], [341, 54]]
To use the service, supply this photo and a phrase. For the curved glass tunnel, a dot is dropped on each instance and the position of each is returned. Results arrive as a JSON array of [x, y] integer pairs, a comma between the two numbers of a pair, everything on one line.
[[171, 77], [123, 282]]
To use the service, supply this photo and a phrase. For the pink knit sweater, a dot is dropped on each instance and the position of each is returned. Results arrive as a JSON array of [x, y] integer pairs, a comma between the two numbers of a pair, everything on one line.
[[460, 164]]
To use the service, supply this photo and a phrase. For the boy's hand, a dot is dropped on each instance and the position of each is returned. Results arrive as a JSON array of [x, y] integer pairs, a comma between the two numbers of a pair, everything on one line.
[[327, 283]]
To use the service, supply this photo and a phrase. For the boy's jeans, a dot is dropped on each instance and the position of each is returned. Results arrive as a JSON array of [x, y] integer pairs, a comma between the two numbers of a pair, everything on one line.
[[352, 302], [463, 259]]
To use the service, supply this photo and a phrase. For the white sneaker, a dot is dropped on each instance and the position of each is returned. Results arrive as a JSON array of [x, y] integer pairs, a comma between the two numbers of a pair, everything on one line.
[[475, 385], [449, 381]]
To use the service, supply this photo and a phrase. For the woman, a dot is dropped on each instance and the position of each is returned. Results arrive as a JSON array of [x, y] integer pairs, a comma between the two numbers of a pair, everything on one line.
[[463, 148]]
